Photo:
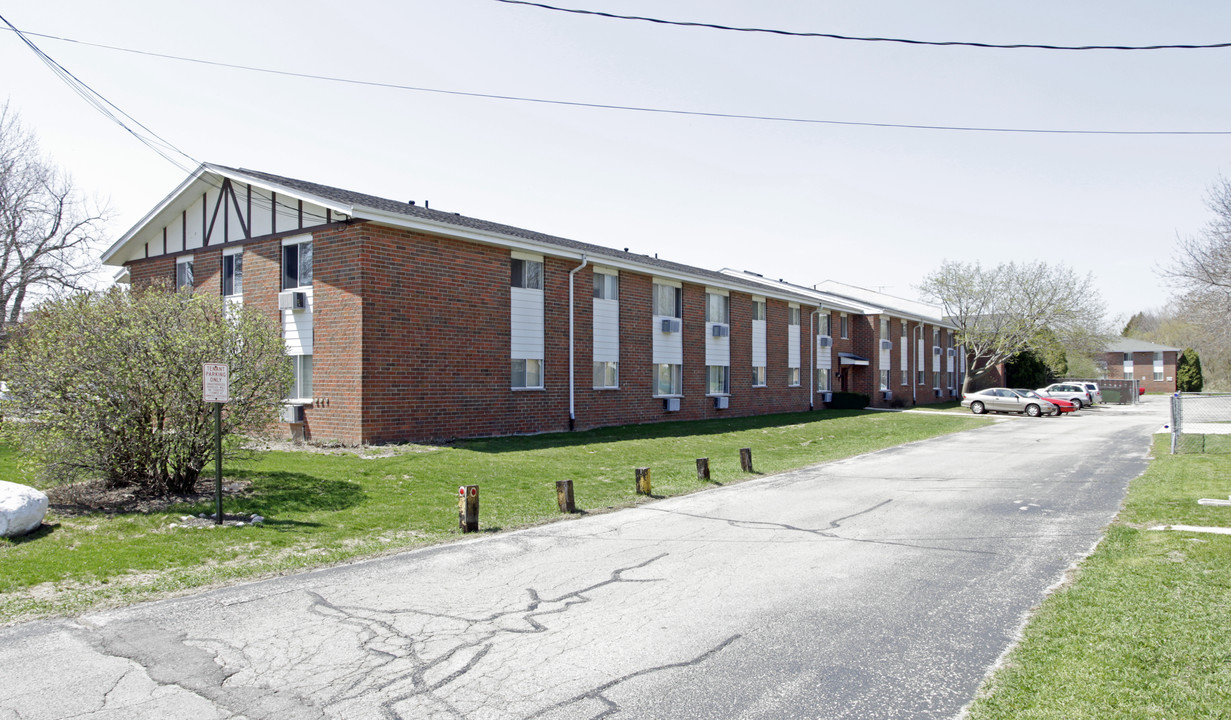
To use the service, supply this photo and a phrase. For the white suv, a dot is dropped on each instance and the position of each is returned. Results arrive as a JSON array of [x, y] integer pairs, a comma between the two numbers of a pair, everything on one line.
[[1096, 395], [1075, 393]]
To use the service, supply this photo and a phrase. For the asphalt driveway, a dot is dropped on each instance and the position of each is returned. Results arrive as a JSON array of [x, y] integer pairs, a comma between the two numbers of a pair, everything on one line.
[[882, 586]]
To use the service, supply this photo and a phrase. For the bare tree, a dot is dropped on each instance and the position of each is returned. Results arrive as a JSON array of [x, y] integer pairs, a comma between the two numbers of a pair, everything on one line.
[[48, 234], [1001, 311]]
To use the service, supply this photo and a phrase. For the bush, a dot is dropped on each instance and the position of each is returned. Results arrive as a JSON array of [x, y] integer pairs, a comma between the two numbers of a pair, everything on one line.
[[108, 385], [848, 401], [1188, 372]]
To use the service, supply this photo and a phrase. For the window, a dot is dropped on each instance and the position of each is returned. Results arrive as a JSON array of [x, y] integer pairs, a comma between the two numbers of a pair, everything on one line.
[[667, 301], [824, 383], [921, 380], [936, 336], [527, 274], [884, 328], [905, 378], [794, 318], [1158, 376], [843, 322], [758, 309], [903, 333], [233, 274], [1128, 358], [606, 375], [717, 308], [301, 368], [884, 380], [938, 380], [527, 374], [822, 324], [667, 379], [758, 376], [183, 273], [793, 377], [718, 380], [606, 287], [297, 265], [1158, 358]]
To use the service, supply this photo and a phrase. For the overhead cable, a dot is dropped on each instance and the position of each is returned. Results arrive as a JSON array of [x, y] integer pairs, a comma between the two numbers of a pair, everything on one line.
[[833, 36], [633, 108]]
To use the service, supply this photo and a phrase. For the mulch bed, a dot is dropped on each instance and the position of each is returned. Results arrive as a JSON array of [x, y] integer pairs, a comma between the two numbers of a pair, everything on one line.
[[94, 496]]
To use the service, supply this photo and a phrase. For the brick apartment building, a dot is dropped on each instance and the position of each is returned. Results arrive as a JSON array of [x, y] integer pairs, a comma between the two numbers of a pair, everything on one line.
[[405, 323], [1151, 364]]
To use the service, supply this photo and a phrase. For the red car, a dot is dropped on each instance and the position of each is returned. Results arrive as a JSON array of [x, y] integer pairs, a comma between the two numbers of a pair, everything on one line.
[[1064, 405]]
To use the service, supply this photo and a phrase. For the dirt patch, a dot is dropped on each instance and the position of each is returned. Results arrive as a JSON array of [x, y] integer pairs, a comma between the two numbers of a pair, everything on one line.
[[335, 448], [94, 496]]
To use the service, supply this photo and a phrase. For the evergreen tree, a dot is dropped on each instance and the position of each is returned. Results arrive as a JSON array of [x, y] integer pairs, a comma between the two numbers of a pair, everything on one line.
[[1188, 372]]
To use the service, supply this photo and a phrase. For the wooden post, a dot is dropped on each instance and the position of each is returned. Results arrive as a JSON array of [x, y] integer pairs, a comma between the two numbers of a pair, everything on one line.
[[564, 496], [468, 508], [703, 468], [745, 459], [643, 481]]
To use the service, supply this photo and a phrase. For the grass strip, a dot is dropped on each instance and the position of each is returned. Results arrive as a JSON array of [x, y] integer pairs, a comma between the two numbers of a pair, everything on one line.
[[1143, 630], [325, 508]]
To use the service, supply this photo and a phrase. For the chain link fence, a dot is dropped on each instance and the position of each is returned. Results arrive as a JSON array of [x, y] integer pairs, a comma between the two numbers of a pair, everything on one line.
[[1200, 423]]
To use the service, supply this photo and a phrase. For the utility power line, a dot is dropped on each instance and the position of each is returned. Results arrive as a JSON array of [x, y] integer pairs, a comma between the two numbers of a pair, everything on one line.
[[627, 108], [833, 36]]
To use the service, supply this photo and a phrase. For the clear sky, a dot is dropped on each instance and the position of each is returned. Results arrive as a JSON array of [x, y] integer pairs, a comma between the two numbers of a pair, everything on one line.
[[876, 207]]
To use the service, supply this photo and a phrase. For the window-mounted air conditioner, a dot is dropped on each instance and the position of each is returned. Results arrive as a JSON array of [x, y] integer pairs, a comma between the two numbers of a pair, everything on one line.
[[722, 403], [952, 352], [939, 393], [292, 300], [887, 394], [671, 404], [886, 344], [936, 349], [670, 325], [721, 330], [824, 341], [292, 413], [826, 397]]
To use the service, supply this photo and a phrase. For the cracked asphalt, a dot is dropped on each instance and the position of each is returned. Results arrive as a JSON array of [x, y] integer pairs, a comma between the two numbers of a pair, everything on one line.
[[882, 586]]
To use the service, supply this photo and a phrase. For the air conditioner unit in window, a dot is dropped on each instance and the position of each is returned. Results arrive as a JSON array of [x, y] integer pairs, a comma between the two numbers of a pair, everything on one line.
[[887, 394], [721, 330], [292, 413], [671, 325], [292, 300], [886, 344], [936, 349], [824, 341], [722, 403], [952, 352], [939, 393], [826, 397], [671, 404]]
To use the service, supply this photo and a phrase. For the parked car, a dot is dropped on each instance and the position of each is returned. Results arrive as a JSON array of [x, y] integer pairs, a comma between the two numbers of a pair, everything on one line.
[[1072, 392], [1063, 405], [1006, 400], [1096, 395]]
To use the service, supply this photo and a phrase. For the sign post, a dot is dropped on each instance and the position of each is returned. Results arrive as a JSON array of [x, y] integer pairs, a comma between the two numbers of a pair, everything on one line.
[[216, 388]]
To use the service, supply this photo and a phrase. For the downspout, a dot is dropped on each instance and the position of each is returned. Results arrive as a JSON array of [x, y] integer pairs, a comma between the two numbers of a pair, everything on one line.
[[572, 379], [812, 357], [914, 376]]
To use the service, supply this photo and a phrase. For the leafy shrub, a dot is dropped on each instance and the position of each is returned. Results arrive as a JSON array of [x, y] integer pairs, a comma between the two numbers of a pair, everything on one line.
[[108, 385], [848, 401]]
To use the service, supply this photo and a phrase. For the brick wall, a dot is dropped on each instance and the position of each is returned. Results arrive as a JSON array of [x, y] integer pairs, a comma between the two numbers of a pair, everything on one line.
[[1143, 370]]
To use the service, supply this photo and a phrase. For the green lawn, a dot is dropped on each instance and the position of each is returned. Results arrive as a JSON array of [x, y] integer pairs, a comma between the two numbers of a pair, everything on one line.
[[322, 508], [1144, 629]]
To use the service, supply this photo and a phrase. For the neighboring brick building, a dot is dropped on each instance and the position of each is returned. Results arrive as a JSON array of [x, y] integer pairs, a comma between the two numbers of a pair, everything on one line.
[[405, 323], [1151, 364]]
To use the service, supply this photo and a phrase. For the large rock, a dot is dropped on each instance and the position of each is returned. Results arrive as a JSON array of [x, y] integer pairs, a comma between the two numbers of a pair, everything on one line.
[[21, 509]]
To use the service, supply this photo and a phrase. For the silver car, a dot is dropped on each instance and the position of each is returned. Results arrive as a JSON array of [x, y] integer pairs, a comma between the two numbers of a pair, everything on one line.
[[1006, 400], [1075, 393]]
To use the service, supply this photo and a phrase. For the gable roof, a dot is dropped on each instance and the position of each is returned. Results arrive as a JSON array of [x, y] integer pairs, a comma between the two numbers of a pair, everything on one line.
[[891, 304], [348, 204], [1129, 345]]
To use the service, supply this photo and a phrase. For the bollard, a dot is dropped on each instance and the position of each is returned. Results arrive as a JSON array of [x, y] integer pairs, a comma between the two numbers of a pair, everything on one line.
[[643, 481], [745, 459], [703, 468], [564, 496], [468, 508]]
